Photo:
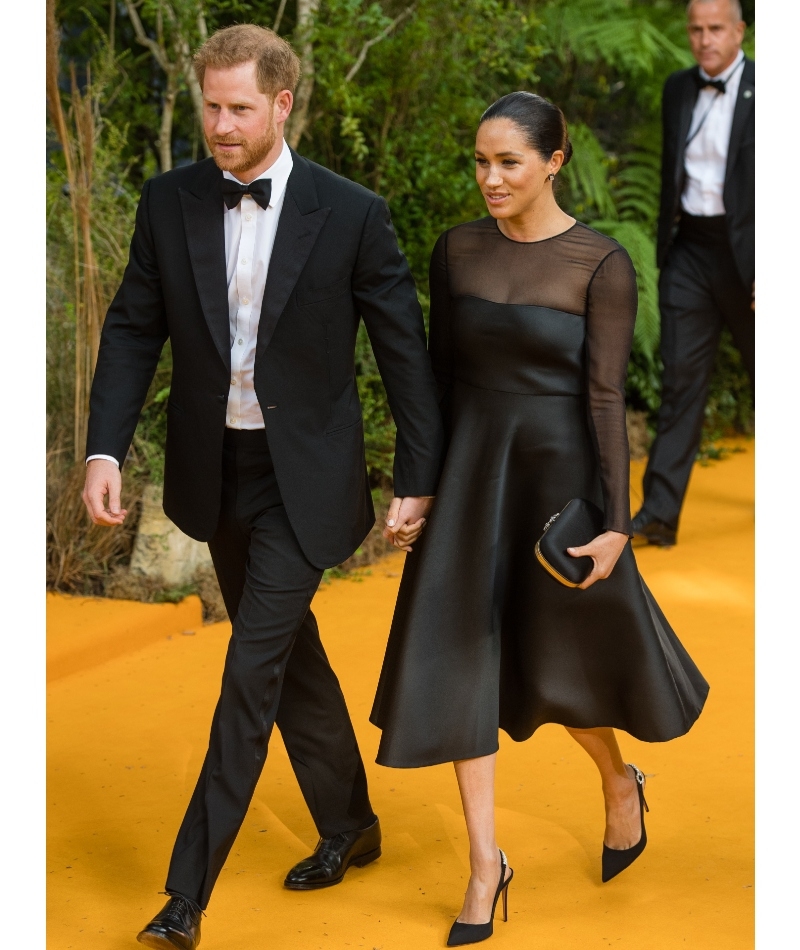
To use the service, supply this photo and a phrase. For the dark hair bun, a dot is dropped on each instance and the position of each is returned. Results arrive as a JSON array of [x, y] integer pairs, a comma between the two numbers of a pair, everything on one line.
[[541, 121]]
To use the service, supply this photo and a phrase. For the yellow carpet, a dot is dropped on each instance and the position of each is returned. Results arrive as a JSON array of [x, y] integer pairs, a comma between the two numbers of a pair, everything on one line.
[[128, 723]]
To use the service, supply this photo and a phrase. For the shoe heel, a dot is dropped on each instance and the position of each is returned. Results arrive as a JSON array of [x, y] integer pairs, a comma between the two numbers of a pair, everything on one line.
[[505, 902], [367, 858], [614, 861]]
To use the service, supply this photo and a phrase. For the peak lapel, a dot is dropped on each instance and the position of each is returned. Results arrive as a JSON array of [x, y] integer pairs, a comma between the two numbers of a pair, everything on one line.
[[299, 226], [687, 104], [205, 236], [744, 105]]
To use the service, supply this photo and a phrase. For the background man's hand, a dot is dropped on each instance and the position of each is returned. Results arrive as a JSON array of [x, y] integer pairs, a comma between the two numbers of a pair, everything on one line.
[[103, 478], [604, 551], [405, 520]]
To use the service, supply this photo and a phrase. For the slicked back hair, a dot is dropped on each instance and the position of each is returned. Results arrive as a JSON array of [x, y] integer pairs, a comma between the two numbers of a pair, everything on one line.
[[735, 5], [540, 121], [277, 64]]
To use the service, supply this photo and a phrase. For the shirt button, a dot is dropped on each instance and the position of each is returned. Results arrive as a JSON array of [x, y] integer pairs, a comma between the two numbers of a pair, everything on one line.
[[245, 301], [240, 342], [233, 382], [233, 420], [248, 217], [244, 260]]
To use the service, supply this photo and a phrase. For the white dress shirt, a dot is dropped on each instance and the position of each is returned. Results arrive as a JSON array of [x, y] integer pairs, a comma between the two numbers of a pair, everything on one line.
[[707, 153], [249, 238]]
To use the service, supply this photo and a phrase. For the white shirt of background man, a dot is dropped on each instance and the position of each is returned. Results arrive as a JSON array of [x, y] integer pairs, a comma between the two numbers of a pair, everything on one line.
[[249, 239], [707, 154]]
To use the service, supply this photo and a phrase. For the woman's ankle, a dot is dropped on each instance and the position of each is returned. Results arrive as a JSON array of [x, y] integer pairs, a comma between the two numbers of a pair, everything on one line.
[[620, 787], [484, 862]]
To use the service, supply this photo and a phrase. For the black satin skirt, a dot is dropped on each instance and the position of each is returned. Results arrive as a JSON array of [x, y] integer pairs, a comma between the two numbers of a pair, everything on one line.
[[483, 638]]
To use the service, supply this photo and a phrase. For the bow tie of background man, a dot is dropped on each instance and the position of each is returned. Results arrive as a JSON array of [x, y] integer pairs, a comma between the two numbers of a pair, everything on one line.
[[260, 288]]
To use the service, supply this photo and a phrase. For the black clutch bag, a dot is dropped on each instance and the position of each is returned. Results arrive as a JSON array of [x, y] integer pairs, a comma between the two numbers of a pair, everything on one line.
[[579, 522]]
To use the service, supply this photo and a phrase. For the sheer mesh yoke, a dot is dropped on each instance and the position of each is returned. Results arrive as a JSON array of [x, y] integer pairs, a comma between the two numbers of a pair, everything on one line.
[[579, 272]]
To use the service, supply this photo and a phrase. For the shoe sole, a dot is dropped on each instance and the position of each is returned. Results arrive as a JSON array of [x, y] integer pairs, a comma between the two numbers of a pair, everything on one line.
[[156, 941], [359, 862], [641, 540]]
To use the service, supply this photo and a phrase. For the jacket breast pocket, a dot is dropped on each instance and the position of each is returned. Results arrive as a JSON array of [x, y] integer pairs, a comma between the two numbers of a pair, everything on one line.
[[309, 295]]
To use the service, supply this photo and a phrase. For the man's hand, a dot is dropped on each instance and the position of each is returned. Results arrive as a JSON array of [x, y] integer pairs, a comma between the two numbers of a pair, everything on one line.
[[103, 478], [604, 551], [405, 520]]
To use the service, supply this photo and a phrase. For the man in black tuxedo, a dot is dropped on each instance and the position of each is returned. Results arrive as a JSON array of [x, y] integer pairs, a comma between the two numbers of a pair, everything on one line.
[[706, 246], [257, 265]]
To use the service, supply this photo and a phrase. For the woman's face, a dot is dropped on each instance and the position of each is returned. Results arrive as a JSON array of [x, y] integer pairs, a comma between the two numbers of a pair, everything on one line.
[[511, 174]]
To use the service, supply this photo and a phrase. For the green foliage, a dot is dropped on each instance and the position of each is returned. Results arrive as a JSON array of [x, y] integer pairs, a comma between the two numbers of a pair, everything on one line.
[[730, 406], [404, 125], [114, 202]]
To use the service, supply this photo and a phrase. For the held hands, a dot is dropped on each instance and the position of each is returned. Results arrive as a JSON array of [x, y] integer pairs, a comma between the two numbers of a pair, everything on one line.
[[103, 478], [405, 520], [604, 551]]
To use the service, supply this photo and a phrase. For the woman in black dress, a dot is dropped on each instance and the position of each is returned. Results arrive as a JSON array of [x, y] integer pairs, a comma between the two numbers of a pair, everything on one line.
[[531, 324]]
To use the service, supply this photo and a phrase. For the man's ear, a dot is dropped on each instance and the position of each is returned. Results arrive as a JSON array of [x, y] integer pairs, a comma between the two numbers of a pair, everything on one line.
[[283, 105]]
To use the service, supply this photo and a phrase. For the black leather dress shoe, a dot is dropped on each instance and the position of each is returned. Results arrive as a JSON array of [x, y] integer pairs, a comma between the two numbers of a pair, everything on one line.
[[333, 856], [644, 525], [175, 927]]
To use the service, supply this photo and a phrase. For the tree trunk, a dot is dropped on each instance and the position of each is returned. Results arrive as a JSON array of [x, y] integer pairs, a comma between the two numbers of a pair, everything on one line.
[[191, 80], [77, 137], [306, 14], [88, 307], [167, 114]]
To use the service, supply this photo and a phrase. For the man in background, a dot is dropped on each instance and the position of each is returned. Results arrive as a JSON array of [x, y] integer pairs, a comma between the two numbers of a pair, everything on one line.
[[706, 246]]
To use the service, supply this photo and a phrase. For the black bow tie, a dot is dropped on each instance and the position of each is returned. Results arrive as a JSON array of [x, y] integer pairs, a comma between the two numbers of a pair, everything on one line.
[[259, 190], [718, 84]]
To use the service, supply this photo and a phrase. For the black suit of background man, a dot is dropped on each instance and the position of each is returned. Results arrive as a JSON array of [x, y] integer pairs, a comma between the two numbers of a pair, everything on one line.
[[276, 507], [707, 274]]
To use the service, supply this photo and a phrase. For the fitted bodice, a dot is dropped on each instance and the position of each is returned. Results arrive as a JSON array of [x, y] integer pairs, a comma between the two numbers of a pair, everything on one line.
[[518, 349], [552, 317]]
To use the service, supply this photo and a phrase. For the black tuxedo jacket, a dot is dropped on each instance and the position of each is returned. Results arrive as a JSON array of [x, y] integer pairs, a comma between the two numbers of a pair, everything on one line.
[[335, 259], [680, 96]]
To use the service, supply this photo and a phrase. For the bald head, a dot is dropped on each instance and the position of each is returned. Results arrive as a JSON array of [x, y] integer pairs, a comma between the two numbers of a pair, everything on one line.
[[716, 31]]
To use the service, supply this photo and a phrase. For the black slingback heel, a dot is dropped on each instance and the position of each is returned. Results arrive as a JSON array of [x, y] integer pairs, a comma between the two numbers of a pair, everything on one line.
[[614, 860], [461, 934]]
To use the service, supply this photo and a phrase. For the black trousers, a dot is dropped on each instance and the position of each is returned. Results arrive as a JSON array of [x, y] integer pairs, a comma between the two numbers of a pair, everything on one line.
[[699, 291], [276, 671]]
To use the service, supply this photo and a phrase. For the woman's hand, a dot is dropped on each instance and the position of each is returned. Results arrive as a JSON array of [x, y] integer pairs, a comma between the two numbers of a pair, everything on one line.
[[405, 520], [604, 551]]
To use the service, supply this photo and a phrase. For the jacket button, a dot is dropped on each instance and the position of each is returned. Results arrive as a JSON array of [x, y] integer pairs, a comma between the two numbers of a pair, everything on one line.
[[272, 407], [223, 397]]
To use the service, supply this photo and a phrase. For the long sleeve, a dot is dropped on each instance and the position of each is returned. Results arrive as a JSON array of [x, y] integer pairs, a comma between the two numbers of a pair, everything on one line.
[[610, 318], [387, 298], [440, 339], [133, 336]]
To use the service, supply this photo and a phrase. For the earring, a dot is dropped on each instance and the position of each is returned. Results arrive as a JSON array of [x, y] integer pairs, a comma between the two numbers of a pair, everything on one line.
[[551, 177]]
